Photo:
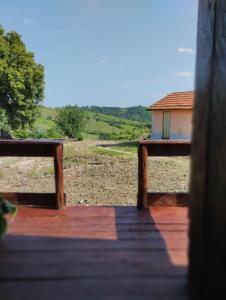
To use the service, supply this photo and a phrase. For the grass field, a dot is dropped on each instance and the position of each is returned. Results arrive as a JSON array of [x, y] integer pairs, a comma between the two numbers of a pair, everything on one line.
[[127, 147], [97, 124], [46, 120]]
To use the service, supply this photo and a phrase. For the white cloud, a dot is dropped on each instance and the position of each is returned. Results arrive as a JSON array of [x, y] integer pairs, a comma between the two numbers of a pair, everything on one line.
[[28, 21], [103, 60], [185, 50], [185, 74]]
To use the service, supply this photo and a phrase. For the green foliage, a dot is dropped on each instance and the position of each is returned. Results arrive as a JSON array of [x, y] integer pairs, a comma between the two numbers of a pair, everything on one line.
[[80, 136], [126, 146], [126, 135], [5, 208], [42, 123], [97, 124], [113, 128], [51, 133], [71, 121], [135, 113], [49, 171], [40, 172], [22, 81], [21, 133], [4, 124], [107, 152], [89, 136]]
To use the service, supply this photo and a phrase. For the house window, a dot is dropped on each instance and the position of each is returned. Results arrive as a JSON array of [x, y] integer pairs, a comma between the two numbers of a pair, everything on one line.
[[166, 125]]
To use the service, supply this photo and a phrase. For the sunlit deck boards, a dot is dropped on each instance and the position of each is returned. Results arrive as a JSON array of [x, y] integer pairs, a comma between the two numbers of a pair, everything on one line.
[[95, 253]]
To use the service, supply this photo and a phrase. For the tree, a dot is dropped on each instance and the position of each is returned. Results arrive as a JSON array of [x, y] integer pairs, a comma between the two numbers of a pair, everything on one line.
[[5, 129], [21, 81], [71, 121]]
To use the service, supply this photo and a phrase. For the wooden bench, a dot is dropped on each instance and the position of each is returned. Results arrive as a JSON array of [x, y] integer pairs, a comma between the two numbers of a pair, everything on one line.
[[148, 148], [37, 148]]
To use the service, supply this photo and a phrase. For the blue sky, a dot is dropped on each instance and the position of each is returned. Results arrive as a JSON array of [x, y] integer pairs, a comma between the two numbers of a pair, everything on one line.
[[108, 52]]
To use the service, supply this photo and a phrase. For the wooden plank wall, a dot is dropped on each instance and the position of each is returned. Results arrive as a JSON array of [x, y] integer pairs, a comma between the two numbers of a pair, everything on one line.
[[207, 271]]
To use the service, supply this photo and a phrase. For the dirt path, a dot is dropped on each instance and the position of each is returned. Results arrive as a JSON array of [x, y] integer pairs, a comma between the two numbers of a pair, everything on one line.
[[115, 150], [91, 178]]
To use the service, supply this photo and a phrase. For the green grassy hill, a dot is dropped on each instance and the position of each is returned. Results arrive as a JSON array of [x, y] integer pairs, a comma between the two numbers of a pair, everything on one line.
[[46, 120], [136, 113], [98, 125]]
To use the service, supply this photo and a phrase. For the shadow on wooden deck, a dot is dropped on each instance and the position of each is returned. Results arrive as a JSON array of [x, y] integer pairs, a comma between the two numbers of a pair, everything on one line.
[[95, 253]]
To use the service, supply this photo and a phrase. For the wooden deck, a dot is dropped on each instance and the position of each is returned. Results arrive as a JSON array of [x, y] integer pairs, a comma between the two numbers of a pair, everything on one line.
[[95, 253]]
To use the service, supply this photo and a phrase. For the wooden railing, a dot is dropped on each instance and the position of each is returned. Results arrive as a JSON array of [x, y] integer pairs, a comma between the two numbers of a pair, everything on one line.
[[39, 148], [148, 148]]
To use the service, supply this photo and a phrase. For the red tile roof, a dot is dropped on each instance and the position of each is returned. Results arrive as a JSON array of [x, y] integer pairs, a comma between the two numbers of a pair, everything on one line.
[[179, 100]]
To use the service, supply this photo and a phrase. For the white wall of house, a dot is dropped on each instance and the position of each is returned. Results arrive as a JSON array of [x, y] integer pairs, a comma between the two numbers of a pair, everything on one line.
[[180, 124]]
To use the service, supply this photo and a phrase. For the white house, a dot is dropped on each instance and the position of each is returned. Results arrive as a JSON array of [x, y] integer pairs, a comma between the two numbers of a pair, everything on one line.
[[172, 117]]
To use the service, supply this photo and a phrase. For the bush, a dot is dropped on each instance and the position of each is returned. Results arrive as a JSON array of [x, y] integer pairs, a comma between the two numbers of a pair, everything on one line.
[[80, 137], [126, 135], [22, 133], [71, 121], [51, 133], [4, 124]]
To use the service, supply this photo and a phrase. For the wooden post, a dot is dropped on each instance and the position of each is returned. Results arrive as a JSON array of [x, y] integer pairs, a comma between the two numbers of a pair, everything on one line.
[[207, 269], [142, 176], [59, 181]]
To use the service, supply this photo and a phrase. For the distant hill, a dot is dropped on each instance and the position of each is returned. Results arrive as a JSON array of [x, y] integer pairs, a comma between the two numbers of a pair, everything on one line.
[[135, 113], [46, 119], [100, 125]]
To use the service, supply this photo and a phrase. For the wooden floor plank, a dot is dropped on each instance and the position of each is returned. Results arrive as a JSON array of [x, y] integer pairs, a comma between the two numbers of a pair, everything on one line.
[[89, 257], [75, 270], [89, 234], [95, 253], [85, 211], [120, 289], [103, 220], [50, 230], [62, 244]]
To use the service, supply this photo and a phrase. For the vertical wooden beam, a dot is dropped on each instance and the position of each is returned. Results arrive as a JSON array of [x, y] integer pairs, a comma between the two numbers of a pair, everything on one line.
[[59, 178], [142, 176], [207, 252]]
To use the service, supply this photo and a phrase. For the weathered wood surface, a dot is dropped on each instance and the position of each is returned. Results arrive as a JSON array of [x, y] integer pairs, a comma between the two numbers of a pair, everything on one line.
[[167, 147], [47, 200], [40, 148], [167, 199], [95, 253], [59, 176], [208, 180], [148, 148], [142, 176]]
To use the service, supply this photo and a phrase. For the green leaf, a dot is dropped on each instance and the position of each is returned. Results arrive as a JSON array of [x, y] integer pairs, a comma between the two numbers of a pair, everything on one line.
[[22, 83], [7, 207], [11, 208]]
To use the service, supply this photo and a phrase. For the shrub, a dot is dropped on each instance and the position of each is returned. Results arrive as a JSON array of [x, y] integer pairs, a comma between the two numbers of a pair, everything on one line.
[[71, 121], [126, 135], [52, 133], [4, 124], [22, 133]]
